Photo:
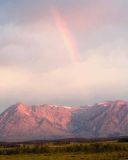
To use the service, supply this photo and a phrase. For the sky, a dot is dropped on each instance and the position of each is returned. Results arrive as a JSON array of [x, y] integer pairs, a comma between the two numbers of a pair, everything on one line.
[[64, 52]]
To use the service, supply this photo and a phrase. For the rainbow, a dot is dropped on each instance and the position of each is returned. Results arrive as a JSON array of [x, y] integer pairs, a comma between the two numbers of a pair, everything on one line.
[[66, 35]]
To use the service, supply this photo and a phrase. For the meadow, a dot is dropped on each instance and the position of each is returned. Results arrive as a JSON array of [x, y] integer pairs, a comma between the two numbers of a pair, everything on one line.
[[108, 150]]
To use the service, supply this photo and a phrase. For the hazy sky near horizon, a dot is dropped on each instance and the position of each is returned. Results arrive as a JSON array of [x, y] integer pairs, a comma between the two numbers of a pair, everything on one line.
[[63, 51]]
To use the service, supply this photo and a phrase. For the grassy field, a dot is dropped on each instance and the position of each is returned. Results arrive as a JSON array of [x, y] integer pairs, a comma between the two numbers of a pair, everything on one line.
[[68, 156], [71, 151]]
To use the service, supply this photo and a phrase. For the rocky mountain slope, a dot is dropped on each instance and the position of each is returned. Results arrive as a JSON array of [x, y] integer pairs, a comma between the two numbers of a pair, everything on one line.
[[20, 122]]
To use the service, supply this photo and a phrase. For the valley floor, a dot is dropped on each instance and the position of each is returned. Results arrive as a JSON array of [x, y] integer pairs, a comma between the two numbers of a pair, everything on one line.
[[105, 150], [68, 156]]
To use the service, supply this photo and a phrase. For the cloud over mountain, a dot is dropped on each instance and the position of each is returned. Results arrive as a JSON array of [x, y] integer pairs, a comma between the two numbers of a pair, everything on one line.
[[35, 61]]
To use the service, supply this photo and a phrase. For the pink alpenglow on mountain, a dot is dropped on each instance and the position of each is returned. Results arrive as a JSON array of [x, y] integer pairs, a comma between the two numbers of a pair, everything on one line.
[[46, 122]]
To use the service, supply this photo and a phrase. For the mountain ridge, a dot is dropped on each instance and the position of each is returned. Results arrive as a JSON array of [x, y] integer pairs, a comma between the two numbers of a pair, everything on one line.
[[21, 122]]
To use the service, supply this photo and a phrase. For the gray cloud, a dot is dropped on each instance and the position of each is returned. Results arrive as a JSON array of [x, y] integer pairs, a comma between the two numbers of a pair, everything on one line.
[[35, 65], [29, 11]]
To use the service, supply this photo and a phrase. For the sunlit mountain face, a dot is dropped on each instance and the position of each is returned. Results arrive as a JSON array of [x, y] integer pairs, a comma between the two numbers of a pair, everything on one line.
[[21, 122], [65, 52]]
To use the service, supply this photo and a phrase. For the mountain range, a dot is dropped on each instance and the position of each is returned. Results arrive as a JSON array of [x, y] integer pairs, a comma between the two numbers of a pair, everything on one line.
[[47, 122]]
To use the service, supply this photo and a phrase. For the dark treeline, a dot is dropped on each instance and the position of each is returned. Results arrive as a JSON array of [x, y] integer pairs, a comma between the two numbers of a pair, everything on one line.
[[124, 139], [65, 145], [63, 141], [86, 148]]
